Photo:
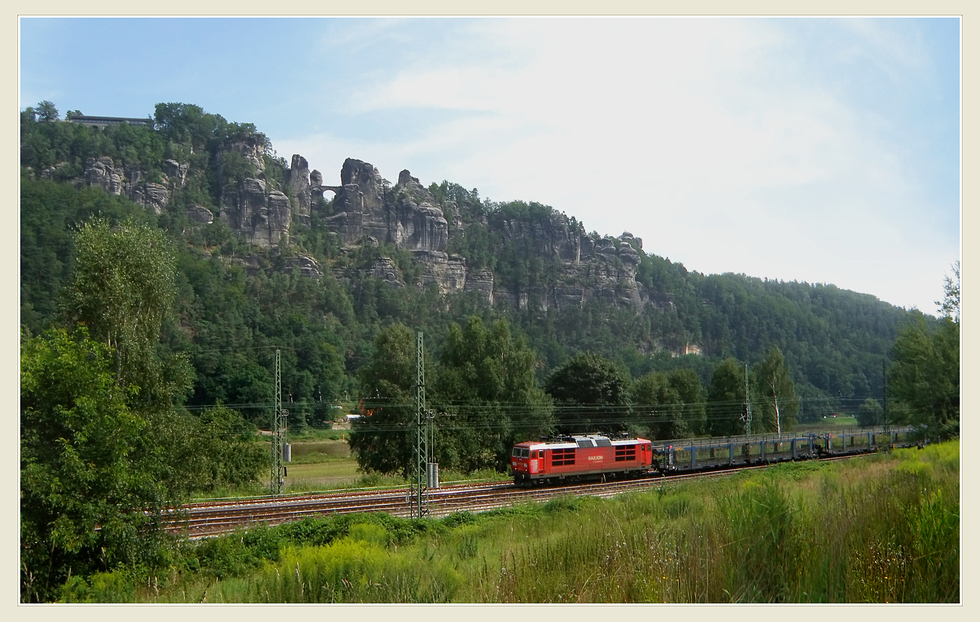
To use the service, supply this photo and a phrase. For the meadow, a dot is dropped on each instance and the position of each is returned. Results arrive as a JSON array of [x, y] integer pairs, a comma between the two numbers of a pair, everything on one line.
[[877, 529], [321, 461]]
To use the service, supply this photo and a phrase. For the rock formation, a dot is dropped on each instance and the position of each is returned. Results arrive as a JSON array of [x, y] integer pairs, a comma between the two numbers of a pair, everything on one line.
[[299, 188], [127, 181], [367, 209], [405, 215]]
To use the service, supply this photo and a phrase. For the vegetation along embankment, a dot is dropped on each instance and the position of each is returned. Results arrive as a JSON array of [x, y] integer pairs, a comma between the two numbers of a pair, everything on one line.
[[877, 529]]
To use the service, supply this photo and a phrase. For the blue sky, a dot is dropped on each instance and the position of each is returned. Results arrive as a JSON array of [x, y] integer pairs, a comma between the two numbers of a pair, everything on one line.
[[809, 149]]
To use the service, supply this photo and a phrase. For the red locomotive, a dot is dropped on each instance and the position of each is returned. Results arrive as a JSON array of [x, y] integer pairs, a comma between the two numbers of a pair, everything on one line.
[[580, 457]]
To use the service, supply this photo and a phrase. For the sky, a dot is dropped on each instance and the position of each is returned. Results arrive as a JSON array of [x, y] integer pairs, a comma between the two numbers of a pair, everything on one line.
[[819, 150]]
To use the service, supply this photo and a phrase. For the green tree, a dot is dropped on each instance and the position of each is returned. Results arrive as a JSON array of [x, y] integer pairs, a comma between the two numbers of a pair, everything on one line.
[[950, 305], [383, 440], [228, 450], [671, 404], [122, 289], [870, 413], [88, 490], [726, 399], [925, 374], [591, 394], [489, 394], [776, 403], [46, 111]]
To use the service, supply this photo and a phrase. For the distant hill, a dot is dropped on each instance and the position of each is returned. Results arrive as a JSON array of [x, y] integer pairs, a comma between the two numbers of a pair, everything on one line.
[[272, 254]]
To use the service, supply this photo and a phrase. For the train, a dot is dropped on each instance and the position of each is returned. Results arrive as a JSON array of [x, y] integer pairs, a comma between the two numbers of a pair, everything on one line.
[[583, 456], [579, 457]]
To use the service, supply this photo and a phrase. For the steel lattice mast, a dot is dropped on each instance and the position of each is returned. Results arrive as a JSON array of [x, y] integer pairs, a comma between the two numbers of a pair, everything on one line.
[[423, 433], [278, 432], [747, 413]]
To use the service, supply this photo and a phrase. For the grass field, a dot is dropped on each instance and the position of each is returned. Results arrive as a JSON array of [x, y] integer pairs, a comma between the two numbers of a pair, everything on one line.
[[321, 465], [840, 422], [326, 464], [877, 529]]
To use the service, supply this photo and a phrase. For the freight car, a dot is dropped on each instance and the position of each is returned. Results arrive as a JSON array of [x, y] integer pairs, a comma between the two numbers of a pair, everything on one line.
[[596, 456], [588, 456]]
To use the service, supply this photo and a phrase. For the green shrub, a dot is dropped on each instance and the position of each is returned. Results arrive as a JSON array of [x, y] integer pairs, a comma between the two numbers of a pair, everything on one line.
[[350, 571]]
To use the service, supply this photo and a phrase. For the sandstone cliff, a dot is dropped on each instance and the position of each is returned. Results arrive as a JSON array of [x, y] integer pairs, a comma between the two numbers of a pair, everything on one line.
[[407, 216], [367, 209]]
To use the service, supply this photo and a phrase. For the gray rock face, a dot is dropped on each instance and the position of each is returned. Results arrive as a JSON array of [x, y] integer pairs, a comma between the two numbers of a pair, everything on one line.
[[177, 172], [127, 181], [154, 197], [263, 218], [306, 265], [405, 215], [369, 210], [481, 282], [387, 270], [200, 214], [549, 239], [102, 172], [419, 225], [251, 148], [272, 224], [299, 186], [446, 271], [360, 204]]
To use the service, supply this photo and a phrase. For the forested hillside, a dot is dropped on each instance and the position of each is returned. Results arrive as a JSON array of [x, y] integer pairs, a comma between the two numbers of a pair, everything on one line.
[[323, 299]]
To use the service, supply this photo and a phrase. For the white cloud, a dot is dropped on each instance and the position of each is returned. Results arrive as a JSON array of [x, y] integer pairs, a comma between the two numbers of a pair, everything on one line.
[[712, 139]]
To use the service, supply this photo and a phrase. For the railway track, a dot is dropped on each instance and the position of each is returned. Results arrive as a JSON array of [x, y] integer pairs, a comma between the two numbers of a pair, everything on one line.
[[212, 518]]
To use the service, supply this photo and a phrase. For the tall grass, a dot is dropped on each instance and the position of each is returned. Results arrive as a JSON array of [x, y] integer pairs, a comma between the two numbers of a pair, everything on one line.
[[356, 569], [877, 529]]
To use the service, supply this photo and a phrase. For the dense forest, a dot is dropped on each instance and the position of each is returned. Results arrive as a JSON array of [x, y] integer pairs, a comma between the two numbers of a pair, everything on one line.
[[236, 302], [150, 324]]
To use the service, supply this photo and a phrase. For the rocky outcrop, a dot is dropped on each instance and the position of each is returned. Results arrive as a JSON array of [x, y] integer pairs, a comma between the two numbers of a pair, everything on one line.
[[418, 224], [264, 215], [605, 271], [481, 282], [102, 172], [405, 215], [360, 204], [387, 270], [154, 197], [262, 218], [299, 187], [251, 148], [448, 272], [549, 238], [254, 265], [306, 265], [200, 214], [127, 181], [177, 172], [369, 210]]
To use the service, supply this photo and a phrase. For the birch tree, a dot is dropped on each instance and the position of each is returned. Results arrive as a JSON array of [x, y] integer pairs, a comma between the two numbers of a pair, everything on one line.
[[776, 393]]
